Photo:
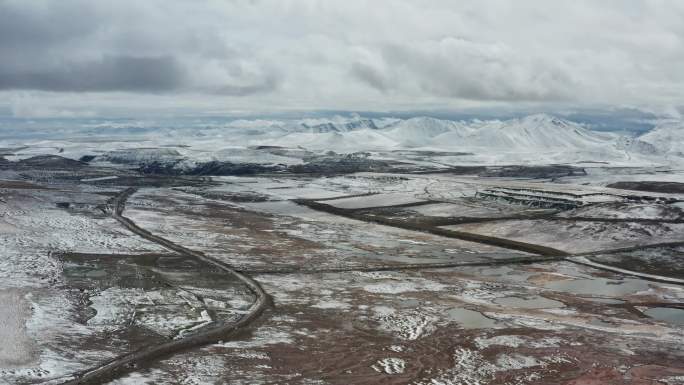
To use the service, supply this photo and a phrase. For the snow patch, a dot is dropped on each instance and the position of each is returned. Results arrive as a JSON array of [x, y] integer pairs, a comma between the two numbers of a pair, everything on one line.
[[408, 325], [515, 341], [390, 366]]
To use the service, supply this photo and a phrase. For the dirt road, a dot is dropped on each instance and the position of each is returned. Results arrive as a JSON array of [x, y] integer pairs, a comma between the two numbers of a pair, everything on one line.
[[213, 333]]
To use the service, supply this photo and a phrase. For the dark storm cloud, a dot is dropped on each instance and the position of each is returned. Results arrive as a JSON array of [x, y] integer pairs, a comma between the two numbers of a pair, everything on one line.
[[138, 47], [51, 46], [29, 24], [120, 73]]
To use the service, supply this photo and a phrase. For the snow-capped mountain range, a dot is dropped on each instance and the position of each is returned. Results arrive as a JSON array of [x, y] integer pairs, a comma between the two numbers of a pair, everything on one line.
[[537, 138]]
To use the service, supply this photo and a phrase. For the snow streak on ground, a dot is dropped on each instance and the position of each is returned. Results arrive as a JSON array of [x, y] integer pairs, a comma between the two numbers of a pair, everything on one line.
[[17, 348]]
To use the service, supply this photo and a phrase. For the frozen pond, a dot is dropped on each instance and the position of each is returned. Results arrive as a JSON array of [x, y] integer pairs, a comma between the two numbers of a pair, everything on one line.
[[600, 286], [667, 314], [470, 319], [378, 200]]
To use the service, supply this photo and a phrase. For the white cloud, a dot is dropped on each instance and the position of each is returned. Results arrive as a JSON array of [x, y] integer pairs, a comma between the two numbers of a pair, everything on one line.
[[309, 54], [26, 106]]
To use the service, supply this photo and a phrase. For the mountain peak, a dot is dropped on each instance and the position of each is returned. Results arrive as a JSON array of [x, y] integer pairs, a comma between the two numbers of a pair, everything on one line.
[[340, 126], [666, 136], [543, 118]]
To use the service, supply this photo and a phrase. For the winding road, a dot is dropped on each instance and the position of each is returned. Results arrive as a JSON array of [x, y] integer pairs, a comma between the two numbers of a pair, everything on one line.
[[213, 333]]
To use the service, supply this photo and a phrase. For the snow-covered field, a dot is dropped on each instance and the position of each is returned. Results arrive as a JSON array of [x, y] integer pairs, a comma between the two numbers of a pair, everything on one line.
[[578, 237]]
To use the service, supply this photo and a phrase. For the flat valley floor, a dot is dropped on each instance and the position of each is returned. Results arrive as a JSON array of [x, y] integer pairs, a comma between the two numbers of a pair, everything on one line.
[[107, 275]]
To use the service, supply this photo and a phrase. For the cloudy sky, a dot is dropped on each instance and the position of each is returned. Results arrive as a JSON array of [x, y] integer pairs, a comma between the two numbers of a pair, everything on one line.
[[83, 57]]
